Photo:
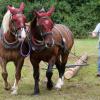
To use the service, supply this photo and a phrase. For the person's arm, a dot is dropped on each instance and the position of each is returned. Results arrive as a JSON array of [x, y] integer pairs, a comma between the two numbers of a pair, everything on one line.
[[96, 30]]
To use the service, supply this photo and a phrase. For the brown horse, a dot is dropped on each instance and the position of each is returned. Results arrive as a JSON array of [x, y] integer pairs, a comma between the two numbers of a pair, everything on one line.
[[12, 34], [50, 43]]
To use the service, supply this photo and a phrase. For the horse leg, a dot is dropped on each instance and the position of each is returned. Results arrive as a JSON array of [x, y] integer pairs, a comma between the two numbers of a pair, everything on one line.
[[5, 74], [36, 75], [49, 73], [58, 66], [18, 65], [61, 69]]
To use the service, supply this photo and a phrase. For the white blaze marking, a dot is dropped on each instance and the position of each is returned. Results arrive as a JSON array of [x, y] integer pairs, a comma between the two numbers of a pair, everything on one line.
[[23, 33]]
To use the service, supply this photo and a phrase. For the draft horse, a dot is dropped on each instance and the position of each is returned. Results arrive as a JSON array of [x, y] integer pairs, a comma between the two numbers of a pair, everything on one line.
[[12, 33], [50, 43]]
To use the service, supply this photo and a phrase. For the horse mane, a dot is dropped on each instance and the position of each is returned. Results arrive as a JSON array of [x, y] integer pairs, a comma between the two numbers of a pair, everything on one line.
[[33, 22], [5, 21]]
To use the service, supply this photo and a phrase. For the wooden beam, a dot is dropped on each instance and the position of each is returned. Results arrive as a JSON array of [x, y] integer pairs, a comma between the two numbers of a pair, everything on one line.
[[71, 72]]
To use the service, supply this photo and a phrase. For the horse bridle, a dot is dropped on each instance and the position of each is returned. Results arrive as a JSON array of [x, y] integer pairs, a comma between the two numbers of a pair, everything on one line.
[[15, 29], [41, 33], [14, 32], [42, 42]]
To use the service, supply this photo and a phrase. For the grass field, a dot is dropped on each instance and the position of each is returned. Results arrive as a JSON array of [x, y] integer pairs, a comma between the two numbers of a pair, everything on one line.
[[84, 86]]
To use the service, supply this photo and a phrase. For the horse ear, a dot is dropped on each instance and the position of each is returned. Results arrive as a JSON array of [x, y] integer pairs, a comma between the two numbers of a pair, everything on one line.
[[22, 6], [10, 8], [51, 10]]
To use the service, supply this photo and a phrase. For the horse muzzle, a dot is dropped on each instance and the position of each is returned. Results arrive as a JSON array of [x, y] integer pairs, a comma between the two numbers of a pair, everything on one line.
[[22, 35]]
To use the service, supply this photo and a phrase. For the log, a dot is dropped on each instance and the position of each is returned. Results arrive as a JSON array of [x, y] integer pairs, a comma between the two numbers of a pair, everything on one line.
[[71, 72]]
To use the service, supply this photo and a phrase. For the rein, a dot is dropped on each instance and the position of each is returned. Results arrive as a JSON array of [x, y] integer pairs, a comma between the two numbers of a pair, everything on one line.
[[21, 50], [29, 45]]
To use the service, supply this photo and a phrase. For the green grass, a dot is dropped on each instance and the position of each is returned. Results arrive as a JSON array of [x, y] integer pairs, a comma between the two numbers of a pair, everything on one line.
[[84, 86]]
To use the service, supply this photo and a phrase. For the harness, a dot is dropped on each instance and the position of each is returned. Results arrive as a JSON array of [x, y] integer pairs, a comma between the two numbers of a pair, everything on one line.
[[6, 44], [62, 44], [38, 45], [41, 45]]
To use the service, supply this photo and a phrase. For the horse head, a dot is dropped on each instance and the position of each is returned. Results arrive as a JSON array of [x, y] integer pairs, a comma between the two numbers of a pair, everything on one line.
[[16, 22], [43, 21]]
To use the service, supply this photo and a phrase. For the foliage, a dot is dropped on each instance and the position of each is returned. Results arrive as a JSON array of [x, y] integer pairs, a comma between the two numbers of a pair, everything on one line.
[[80, 15]]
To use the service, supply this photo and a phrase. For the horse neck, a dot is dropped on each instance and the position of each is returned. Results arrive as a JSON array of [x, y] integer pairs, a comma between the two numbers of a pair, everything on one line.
[[36, 33], [9, 37]]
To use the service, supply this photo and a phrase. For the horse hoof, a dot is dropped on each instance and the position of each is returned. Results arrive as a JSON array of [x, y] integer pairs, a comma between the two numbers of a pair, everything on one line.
[[49, 85], [59, 84], [12, 88], [8, 87], [14, 92], [36, 93], [58, 87]]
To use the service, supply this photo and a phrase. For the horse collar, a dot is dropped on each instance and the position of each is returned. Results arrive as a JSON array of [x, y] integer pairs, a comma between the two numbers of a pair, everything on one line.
[[41, 45], [7, 45]]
